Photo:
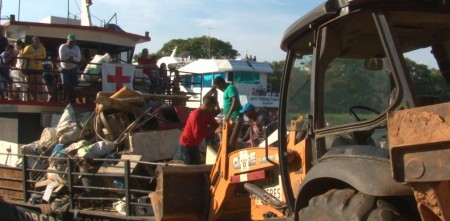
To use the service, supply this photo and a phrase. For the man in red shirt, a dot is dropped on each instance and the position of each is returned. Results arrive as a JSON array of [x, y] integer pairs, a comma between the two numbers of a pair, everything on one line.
[[145, 62], [200, 124], [149, 67]]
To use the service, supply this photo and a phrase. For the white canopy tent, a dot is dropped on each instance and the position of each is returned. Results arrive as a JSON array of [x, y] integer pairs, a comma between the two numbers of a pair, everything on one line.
[[204, 66]]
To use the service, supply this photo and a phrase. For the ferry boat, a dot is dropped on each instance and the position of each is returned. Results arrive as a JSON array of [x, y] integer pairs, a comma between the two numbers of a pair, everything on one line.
[[41, 182], [248, 76], [22, 121]]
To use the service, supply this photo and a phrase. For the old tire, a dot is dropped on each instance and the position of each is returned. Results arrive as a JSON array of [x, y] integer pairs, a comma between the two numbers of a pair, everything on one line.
[[347, 204]]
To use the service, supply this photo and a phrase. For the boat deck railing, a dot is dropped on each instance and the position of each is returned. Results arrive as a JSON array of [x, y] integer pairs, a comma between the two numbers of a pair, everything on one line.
[[50, 88], [27, 182]]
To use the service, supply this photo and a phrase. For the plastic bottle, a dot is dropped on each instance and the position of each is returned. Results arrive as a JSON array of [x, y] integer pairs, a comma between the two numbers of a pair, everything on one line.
[[119, 183]]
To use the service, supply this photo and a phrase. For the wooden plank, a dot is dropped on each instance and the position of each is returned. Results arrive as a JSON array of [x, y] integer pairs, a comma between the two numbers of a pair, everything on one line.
[[11, 183]]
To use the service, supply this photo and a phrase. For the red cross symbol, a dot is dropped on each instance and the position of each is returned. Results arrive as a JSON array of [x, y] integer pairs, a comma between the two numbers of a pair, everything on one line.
[[118, 78]]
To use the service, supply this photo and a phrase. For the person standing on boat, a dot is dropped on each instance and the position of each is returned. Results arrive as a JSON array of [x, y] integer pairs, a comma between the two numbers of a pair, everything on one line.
[[231, 103], [48, 77], [148, 64], [200, 124], [163, 79], [18, 75], [6, 62], [70, 56], [3, 41], [35, 54], [176, 82]]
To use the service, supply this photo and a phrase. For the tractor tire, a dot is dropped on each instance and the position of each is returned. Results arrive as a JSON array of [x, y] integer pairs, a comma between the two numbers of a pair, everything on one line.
[[345, 205]]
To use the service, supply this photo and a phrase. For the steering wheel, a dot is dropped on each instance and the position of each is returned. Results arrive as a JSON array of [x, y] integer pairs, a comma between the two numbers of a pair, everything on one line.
[[353, 115]]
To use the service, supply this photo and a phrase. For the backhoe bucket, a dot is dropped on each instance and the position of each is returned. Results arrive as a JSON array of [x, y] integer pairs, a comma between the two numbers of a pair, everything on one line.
[[182, 192]]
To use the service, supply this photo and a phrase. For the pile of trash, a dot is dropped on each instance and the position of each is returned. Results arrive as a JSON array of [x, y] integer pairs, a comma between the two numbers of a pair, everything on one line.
[[104, 133]]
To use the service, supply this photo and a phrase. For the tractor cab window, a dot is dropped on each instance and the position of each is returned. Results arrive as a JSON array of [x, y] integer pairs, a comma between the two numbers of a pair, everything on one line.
[[354, 83], [354, 93], [428, 80], [425, 45], [298, 98]]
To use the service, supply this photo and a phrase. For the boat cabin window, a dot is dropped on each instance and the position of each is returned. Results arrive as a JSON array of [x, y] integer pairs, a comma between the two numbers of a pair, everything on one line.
[[206, 80], [246, 77], [201, 80]]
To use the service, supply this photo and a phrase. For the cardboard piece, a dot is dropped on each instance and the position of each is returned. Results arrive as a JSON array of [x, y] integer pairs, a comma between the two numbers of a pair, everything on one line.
[[155, 145], [43, 183], [49, 190]]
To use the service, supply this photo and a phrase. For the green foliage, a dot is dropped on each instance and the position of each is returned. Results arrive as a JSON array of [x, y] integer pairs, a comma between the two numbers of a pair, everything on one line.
[[348, 83], [428, 82], [351, 84], [333, 119], [275, 78], [197, 48]]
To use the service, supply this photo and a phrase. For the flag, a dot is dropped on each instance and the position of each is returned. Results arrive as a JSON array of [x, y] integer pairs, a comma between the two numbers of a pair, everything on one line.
[[116, 76], [89, 2]]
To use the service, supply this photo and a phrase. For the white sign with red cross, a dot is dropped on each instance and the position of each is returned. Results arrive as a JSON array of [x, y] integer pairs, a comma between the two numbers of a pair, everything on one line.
[[116, 76]]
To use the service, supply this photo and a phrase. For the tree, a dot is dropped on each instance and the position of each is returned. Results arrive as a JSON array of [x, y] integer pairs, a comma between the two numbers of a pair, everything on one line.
[[275, 78], [201, 47], [428, 82]]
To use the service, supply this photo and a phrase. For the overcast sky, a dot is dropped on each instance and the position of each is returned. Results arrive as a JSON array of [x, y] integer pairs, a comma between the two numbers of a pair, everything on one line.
[[253, 27]]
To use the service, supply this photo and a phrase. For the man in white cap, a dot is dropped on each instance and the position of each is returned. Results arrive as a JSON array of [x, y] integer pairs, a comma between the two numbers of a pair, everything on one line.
[[70, 56]]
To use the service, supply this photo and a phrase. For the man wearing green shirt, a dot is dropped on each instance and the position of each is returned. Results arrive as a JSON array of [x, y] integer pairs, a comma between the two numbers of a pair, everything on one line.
[[231, 103]]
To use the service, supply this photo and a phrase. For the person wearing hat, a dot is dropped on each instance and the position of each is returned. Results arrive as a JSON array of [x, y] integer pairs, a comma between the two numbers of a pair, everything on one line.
[[70, 56], [231, 103], [259, 119]]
